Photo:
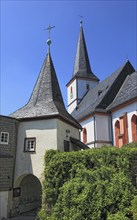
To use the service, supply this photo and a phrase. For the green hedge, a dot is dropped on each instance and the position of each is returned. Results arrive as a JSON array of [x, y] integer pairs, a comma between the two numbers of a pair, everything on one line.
[[93, 184]]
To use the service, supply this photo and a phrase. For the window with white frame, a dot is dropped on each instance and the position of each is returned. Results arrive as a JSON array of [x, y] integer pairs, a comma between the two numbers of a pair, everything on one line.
[[4, 137], [30, 144]]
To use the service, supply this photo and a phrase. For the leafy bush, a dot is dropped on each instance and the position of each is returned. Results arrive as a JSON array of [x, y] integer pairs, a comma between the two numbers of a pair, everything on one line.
[[134, 208], [92, 184], [117, 216]]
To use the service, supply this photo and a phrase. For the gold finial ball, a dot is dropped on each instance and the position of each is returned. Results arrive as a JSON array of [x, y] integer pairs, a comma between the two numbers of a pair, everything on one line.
[[49, 42]]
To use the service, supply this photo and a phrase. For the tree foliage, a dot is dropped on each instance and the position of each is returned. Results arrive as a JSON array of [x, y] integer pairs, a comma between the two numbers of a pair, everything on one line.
[[94, 184]]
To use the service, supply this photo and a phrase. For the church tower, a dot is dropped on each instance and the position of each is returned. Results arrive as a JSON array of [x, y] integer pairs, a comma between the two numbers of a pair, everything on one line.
[[83, 79], [43, 124]]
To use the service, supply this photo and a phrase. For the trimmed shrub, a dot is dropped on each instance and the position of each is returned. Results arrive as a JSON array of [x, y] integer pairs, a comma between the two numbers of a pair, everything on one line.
[[92, 184], [134, 208]]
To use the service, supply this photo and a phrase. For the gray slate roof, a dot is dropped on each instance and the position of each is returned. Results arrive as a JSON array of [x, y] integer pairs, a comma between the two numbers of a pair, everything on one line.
[[103, 94], [127, 92], [46, 99], [82, 65]]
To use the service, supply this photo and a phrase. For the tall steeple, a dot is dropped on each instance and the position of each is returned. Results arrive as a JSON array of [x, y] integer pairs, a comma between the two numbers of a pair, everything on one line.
[[46, 98], [83, 79], [82, 65]]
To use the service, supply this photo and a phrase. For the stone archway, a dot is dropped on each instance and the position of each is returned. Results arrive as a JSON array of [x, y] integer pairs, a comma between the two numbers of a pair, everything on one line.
[[30, 197]]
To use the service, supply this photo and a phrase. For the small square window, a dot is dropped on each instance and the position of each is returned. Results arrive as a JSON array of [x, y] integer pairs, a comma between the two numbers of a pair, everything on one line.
[[30, 144], [4, 137]]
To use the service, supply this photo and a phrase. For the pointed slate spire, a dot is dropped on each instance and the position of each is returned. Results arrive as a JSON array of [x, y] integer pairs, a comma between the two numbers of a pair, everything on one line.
[[82, 65], [46, 99], [47, 87]]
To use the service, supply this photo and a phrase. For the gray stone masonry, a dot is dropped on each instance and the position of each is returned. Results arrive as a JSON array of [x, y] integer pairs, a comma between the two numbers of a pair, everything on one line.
[[8, 152]]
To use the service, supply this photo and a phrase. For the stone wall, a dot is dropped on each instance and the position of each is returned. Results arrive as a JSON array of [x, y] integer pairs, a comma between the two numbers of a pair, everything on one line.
[[8, 152]]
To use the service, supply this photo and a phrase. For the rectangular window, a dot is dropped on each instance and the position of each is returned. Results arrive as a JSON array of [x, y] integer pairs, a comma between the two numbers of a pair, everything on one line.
[[30, 144], [4, 137], [66, 146]]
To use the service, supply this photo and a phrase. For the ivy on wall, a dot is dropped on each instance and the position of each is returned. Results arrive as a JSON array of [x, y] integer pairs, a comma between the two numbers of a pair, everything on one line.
[[94, 184]]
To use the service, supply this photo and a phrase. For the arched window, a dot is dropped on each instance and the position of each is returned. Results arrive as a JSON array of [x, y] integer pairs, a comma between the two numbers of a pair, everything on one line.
[[71, 89], [84, 135], [71, 92], [134, 128], [117, 133]]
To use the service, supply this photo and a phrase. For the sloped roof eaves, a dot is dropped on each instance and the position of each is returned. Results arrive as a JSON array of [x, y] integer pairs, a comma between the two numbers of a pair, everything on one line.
[[71, 121], [78, 143], [89, 77], [29, 110], [44, 111]]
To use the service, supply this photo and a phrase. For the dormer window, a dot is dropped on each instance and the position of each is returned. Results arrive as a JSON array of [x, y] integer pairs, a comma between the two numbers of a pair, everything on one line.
[[99, 92], [4, 138], [87, 87]]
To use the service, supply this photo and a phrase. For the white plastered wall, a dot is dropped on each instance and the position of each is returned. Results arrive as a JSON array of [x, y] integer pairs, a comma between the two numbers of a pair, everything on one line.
[[103, 128], [72, 98], [82, 87], [3, 203], [72, 107], [79, 87], [45, 132], [130, 110], [89, 125], [62, 133], [98, 129]]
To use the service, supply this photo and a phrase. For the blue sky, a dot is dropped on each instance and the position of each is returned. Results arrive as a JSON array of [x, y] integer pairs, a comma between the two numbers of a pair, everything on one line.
[[110, 30]]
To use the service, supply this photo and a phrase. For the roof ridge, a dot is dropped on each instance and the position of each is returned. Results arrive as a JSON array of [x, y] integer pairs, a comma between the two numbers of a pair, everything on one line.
[[39, 87], [121, 87], [127, 80], [120, 70], [92, 100], [98, 85]]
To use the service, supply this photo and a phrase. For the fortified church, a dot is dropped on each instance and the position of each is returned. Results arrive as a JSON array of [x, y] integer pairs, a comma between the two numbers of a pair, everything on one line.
[[98, 113]]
